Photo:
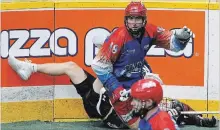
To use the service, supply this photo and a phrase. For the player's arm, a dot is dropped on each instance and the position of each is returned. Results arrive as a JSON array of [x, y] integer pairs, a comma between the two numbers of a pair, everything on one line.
[[104, 60], [174, 39]]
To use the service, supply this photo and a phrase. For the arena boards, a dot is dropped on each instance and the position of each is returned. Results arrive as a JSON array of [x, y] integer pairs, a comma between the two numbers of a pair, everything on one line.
[[190, 75]]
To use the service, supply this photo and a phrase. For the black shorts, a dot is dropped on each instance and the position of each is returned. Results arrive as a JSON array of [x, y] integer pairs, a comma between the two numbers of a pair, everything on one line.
[[84, 87], [89, 97]]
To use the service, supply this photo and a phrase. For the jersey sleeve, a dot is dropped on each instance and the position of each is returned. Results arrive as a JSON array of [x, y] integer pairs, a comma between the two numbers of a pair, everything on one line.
[[104, 60], [162, 37], [165, 38]]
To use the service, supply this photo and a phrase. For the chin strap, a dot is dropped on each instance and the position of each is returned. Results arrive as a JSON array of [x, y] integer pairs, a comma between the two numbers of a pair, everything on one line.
[[138, 34], [143, 111]]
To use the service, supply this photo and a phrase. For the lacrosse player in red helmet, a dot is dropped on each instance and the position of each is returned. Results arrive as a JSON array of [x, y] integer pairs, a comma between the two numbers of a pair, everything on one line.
[[120, 61], [147, 94]]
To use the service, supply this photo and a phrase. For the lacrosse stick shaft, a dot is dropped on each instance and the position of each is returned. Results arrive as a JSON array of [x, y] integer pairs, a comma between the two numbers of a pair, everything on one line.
[[185, 112], [200, 112]]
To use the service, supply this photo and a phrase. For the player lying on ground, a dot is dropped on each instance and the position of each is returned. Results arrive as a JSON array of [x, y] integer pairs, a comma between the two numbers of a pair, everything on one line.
[[174, 108], [88, 87], [147, 94]]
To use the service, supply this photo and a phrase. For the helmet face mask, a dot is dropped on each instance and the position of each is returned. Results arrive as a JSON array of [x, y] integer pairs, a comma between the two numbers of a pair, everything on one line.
[[135, 18], [141, 108], [135, 24]]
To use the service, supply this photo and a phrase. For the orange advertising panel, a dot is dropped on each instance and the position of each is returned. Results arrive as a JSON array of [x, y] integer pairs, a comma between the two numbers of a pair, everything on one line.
[[17, 37], [65, 35]]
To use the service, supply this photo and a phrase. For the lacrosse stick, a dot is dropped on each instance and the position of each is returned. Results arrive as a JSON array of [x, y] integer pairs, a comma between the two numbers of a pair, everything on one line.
[[185, 112]]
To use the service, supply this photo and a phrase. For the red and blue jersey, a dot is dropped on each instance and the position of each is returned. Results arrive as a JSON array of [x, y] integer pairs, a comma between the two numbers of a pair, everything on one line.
[[160, 120], [122, 57]]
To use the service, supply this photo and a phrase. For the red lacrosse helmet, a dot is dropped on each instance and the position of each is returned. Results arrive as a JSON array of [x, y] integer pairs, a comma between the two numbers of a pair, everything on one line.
[[147, 89], [135, 9]]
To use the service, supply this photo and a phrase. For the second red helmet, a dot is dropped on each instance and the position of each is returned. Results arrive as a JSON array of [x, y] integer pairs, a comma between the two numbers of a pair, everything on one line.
[[145, 89]]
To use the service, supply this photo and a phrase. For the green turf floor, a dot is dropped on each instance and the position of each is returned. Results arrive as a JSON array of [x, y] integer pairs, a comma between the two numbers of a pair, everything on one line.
[[94, 125]]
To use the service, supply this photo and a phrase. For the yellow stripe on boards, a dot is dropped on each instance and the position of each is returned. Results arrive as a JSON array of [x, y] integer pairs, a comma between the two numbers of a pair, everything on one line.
[[26, 111], [69, 110], [201, 105], [108, 4], [26, 5]]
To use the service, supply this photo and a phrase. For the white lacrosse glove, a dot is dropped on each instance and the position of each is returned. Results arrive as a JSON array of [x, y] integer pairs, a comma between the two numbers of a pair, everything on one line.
[[119, 94], [183, 34], [124, 95], [180, 38]]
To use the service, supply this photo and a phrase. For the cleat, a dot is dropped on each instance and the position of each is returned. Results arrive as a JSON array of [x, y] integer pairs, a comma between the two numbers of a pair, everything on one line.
[[206, 122], [23, 68]]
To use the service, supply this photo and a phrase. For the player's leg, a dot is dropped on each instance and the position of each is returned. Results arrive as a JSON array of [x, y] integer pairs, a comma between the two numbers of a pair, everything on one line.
[[71, 69], [113, 121], [197, 120], [109, 116], [98, 105], [82, 80], [86, 85], [194, 119], [191, 119], [89, 96], [97, 86], [104, 108], [25, 69]]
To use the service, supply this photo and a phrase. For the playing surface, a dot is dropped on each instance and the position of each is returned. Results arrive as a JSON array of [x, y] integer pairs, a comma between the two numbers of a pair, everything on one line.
[[92, 125]]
